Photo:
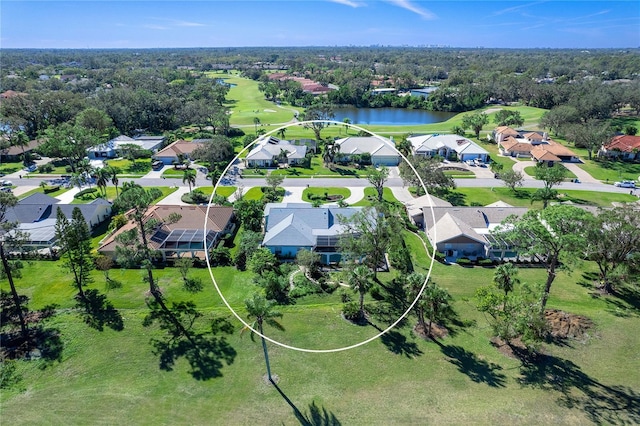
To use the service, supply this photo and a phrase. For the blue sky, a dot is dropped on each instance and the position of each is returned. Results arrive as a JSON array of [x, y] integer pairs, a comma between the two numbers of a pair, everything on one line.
[[225, 23]]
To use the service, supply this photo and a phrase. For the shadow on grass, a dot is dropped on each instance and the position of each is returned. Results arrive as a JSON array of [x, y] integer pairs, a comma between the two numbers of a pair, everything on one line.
[[398, 344], [317, 416], [601, 403], [345, 172], [456, 198], [98, 311], [205, 351], [478, 370]]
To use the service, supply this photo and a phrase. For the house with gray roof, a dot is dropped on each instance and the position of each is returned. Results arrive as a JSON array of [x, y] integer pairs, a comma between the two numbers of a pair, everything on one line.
[[36, 217], [447, 147], [270, 151], [382, 150], [113, 148], [291, 227]]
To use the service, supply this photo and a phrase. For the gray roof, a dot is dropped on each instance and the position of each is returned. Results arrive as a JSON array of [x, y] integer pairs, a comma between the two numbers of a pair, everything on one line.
[[300, 224], [475, 217], [38, 207], [271, 147], [433, 142], [376, 146]]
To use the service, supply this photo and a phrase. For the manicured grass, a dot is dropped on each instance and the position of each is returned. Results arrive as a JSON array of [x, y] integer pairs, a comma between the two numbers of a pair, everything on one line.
[[460, 174], [370, 195], [225, 191], [485, 196], [111, 194], [105, 376], [611, 171], [61, 190], [173, 173], [531, 171], [321, 194], [318, 169], [7, 167], [131, 168]]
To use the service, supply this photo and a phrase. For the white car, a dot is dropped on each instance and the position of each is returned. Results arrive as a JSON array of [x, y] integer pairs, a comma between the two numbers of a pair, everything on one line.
[[625, 184], [6, 183]]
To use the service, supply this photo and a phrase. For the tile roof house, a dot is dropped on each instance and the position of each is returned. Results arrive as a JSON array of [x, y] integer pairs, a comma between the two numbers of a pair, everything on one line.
[[184, 237], [625, 147], [36, 217], [171, 153], [447, 146], [291, 227], [535, 145], [382, 150], [270, 151]]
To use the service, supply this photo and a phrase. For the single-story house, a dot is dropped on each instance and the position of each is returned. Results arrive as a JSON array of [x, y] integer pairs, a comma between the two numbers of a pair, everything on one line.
[[184, 237], [466, 231], [415, 207], [14, 153], [382, 150], [270, 151], [36, 216], [447, 146], [171, 153], [291, 227], [113, 148], [625, 147], [510, 147]]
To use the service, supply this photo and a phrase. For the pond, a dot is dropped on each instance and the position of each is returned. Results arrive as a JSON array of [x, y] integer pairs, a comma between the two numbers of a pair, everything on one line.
[[391, 116]]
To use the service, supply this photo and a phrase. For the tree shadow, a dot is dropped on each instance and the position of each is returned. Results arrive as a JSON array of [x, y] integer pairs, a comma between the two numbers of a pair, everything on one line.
[[398, 344], [478, 370], [43, 343], [205, 351], [317, 416], [601, 403], [98, 311], [456, 198]]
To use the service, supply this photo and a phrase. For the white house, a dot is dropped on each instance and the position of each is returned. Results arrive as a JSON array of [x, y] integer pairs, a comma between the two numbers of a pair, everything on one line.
[[448, 147], [382, 150], [270, 150], [112, 148]]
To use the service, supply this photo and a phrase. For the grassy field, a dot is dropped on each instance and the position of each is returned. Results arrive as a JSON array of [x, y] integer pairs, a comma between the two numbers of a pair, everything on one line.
[[106, 376], [322, 194], [370, 194], [485, 196]]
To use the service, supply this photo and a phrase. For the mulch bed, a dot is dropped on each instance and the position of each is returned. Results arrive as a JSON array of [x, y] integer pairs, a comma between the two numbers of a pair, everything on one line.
[[437, 331]]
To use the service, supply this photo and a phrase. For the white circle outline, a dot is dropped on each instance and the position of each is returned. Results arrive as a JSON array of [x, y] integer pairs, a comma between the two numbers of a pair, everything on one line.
[[295, 348]]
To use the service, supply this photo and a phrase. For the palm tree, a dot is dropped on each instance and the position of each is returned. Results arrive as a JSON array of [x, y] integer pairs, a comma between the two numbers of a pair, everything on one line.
[[505, 278], [404, 147], [414, 283], [102, 178], [256, 121], [114, 177], [21, 139], [261, 311], [214, 175], [360, 280], [189, 177], [436, 303], [282, 132], [346, 122]]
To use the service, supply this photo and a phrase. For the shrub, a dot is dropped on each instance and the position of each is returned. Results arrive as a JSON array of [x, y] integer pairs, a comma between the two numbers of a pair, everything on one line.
[[463, 261], [485, 262], [48, 189], [45, 168], [220, 256], [85, 192], [345, 295], [351, 311]]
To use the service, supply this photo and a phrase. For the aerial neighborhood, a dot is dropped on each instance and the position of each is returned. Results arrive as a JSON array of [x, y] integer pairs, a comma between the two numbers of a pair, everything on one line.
[[156, 206]]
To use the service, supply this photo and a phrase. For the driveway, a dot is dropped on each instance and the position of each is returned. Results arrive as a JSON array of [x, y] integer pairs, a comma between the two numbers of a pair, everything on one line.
[[580, 174], [175, 197], [519, 166]]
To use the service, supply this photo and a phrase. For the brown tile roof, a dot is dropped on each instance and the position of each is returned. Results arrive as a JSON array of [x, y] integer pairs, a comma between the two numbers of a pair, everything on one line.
[[178, 147], [506, 130], [512, 145], [534, 136], [624, 143], [558, 149], [542, 154]]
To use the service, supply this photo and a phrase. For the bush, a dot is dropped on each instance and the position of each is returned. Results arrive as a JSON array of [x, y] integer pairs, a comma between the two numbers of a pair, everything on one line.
[[303, 287], [85, 193], [463, 261], [485, 262], [49, 188], [45, 168], [220, 256], [345, 295], [351, 311]]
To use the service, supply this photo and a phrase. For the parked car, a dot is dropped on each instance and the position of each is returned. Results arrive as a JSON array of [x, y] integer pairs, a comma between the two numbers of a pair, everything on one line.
[[6, 183], [625, 184], [5, 189]]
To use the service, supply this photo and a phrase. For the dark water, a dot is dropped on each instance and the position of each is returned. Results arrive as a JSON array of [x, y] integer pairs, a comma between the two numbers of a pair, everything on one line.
[[390, 116]]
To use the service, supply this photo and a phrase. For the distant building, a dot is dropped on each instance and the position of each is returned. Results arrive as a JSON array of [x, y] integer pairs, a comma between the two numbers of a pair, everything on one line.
[[382, 150], [624, 147], [448, 147]]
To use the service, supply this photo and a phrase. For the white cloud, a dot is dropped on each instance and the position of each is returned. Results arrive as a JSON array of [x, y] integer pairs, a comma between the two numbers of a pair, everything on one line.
[[349, 3], [406, 4], [155, 27]]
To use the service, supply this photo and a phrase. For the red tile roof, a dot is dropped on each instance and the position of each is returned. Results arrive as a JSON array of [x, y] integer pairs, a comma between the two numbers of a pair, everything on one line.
[[624, 143]]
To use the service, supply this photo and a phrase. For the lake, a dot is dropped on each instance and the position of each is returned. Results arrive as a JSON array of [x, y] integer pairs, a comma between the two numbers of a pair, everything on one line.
[[390, 116]]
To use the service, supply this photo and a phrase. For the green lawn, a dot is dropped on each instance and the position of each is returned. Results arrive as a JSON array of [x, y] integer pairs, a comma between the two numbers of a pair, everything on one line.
[[105, 376], [324, 194], [61, 190], [531, 171], [485, 196], [370, 195], [7, 167], [611, 171], [130, 168]]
